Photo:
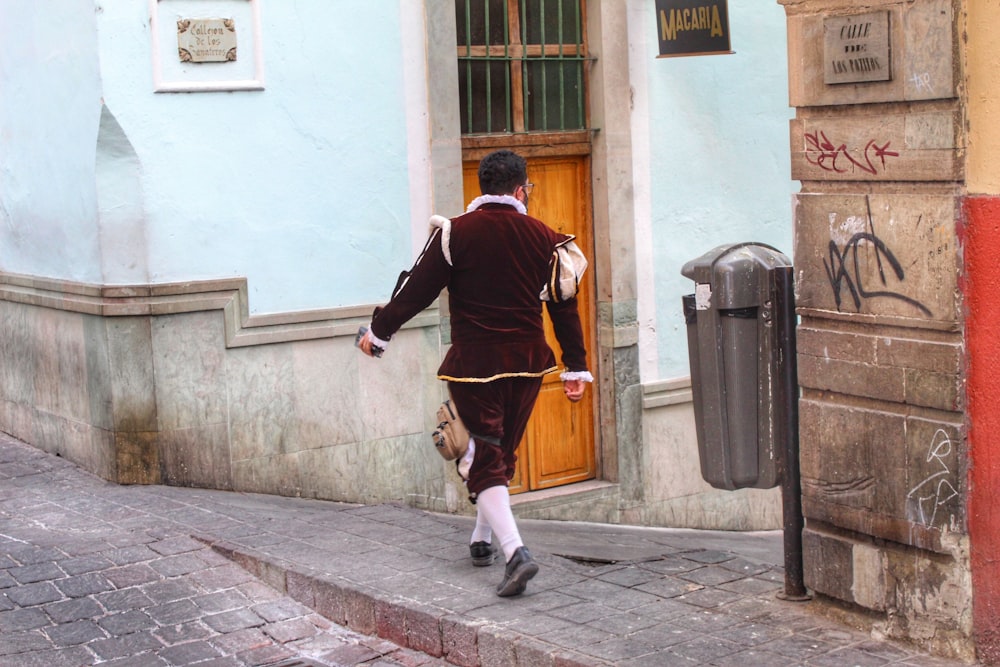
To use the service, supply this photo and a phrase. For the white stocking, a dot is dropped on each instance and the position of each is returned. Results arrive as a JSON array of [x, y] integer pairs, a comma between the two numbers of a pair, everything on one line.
[[482, 532], [494, 505]]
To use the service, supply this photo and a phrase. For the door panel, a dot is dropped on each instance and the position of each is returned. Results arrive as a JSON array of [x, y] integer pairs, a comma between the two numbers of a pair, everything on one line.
[[559, 445]]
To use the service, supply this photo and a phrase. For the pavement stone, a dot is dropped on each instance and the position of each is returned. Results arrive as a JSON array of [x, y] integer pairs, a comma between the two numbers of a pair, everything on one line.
[[92, 573]]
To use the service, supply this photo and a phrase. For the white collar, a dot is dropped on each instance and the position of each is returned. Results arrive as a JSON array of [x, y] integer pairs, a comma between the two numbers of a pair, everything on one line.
[[497, 199]]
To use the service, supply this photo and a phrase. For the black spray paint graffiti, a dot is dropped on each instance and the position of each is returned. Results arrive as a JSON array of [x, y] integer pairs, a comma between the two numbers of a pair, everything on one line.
[[936, 490], [840, 276]]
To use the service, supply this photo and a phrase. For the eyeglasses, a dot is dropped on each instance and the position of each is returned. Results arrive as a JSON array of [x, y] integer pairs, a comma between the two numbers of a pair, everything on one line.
[[528, 187]]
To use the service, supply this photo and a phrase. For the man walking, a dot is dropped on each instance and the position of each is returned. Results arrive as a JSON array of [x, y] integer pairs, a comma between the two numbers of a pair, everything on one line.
[[495, 261]]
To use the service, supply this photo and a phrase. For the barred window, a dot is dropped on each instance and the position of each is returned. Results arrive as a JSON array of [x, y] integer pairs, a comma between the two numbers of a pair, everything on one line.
[[521, 65]]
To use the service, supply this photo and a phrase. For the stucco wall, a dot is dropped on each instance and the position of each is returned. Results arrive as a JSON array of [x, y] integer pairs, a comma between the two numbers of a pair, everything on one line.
[[50, 78], [711, 168], [303, 187], [713, 165], [315, 190]]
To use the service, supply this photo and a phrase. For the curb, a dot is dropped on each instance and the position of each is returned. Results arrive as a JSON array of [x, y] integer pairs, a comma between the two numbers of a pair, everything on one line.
[[407, 623]]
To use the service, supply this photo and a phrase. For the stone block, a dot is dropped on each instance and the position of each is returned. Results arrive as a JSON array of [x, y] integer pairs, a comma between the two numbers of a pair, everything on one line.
[[846, 377], [137, 457], [887, 474], [412, 383], [532, 652], [496, 647], [329, 601], [189, 358], [389, 622], [829, 343], [460, 641], [828, 564], [359, 611], [868, 585], [845, 568], [60, 364], [932, 598], [923, 57], [423, 633], [841, 450], [901, 146], [887, 258], [935, 479], [908, 350], [131, 382], [196, 456], [934, 390], [888, 364], [17, 360], [74, 440]]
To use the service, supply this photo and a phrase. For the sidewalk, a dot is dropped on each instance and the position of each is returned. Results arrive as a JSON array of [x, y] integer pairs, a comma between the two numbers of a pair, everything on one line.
[[94, 573]]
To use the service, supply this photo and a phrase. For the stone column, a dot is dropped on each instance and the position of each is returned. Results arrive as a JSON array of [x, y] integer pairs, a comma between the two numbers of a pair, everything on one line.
[[878, 143]]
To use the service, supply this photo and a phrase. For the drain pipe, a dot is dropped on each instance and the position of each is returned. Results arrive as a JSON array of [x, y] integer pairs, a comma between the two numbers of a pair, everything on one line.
[[791, 481]]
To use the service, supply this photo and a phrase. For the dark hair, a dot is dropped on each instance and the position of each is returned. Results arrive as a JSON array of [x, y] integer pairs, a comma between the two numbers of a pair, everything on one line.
[[501, 172]]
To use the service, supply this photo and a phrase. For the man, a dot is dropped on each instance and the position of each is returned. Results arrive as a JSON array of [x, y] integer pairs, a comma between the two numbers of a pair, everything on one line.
[[495, 261]]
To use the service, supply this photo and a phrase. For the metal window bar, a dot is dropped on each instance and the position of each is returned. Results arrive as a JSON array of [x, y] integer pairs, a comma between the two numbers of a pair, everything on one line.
[[489, 70], [468, 66], [506, 54]]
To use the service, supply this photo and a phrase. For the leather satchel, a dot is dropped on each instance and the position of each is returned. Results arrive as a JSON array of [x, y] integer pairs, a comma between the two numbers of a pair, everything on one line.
[[451, 438]]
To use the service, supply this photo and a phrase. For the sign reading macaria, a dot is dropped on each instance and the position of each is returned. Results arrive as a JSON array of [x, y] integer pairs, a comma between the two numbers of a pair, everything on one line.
[[692, 27]]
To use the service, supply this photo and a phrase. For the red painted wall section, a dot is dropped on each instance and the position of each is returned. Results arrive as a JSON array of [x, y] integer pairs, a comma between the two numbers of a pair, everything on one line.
[[981, 286]]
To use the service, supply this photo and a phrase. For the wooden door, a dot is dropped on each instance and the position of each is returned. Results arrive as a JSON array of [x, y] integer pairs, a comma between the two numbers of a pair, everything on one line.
[[559, 445]]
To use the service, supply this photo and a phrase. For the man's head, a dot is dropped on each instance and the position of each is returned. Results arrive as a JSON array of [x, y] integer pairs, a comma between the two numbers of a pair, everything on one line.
[[502, 173]]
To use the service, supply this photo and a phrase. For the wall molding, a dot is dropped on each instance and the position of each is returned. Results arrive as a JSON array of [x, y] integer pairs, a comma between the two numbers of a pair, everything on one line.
[[228, 295], [662, 393]]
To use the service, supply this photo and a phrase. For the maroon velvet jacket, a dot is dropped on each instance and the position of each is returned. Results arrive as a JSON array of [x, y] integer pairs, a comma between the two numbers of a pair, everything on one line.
[[500, 263]]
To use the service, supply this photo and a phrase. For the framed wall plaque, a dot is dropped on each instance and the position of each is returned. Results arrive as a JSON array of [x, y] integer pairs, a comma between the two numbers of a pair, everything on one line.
[[206, 45], [856, 48]]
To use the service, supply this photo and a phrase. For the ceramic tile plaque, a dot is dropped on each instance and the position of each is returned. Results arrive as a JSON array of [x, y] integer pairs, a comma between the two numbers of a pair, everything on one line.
[[856, 48], [206, 40]]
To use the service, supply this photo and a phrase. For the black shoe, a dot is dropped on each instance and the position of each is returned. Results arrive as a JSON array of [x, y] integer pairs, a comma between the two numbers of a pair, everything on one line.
[[482, 554], [520, 569]]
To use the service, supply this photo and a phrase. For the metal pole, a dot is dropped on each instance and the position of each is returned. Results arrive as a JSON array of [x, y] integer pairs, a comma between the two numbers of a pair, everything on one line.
[[791, 482]]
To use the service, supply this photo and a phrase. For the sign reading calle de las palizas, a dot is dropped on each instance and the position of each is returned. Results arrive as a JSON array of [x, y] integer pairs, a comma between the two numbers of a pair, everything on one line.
[[692, 27]]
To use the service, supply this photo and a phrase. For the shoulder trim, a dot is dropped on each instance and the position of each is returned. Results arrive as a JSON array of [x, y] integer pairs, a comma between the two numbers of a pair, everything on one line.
[[444, 224]]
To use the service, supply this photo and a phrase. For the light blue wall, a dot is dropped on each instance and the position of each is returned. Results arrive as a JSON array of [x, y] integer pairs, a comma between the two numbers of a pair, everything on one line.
[[302, 187], [719, 158], [49, 112]]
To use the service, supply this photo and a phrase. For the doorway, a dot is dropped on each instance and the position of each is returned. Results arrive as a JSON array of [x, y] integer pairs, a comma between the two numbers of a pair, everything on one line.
[[559, 445], [522, 71]]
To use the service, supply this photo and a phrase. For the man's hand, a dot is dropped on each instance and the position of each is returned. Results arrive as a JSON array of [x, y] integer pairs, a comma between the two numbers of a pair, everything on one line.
[[367, 345], [574, 389]]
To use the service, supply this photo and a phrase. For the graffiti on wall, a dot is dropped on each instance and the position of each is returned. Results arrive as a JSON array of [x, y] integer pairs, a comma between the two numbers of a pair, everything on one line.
[[922, 82], [843, 269], [829, 156], [925, 500]]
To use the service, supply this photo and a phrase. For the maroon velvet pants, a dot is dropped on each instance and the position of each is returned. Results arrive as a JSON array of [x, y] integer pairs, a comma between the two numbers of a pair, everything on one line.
[[496, 414]]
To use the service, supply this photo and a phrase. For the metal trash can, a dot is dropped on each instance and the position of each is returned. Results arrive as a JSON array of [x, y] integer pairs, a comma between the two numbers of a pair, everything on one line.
[[735, 332]]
